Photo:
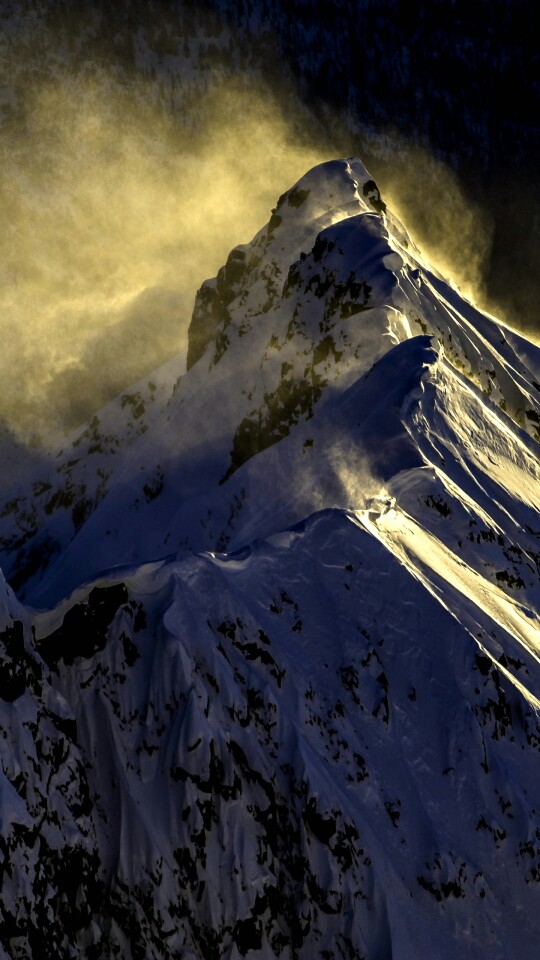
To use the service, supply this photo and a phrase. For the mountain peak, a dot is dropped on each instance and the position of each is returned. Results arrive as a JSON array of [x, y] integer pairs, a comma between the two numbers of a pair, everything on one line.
[[328, 193]]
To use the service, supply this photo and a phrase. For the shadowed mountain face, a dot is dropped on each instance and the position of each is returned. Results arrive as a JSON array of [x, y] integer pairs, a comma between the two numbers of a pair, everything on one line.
[[276, 691]]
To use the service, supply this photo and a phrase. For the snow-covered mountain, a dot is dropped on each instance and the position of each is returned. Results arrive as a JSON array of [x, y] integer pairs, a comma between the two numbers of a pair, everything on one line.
[[276, 693], [409, 80]]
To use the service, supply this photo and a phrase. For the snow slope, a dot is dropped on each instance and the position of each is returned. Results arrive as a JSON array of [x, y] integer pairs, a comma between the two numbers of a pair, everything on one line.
[[289, 606], [292, 320]]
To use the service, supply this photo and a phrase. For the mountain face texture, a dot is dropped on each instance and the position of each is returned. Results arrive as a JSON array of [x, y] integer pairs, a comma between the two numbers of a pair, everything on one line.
[[270, 684]]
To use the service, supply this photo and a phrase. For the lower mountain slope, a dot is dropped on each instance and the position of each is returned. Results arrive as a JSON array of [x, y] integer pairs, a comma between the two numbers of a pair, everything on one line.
[[296, 750]]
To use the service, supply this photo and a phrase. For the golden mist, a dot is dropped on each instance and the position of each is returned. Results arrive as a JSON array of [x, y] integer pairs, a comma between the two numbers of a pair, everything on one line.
[[113, 213]]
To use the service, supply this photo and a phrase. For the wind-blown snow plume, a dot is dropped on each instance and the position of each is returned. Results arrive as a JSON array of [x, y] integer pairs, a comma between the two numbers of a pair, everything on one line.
[[113, 209], [121, 188], [449, 226]]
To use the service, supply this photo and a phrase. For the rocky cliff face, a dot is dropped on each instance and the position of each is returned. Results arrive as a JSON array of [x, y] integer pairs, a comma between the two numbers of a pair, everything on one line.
[[277, 691], [49, 852]]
